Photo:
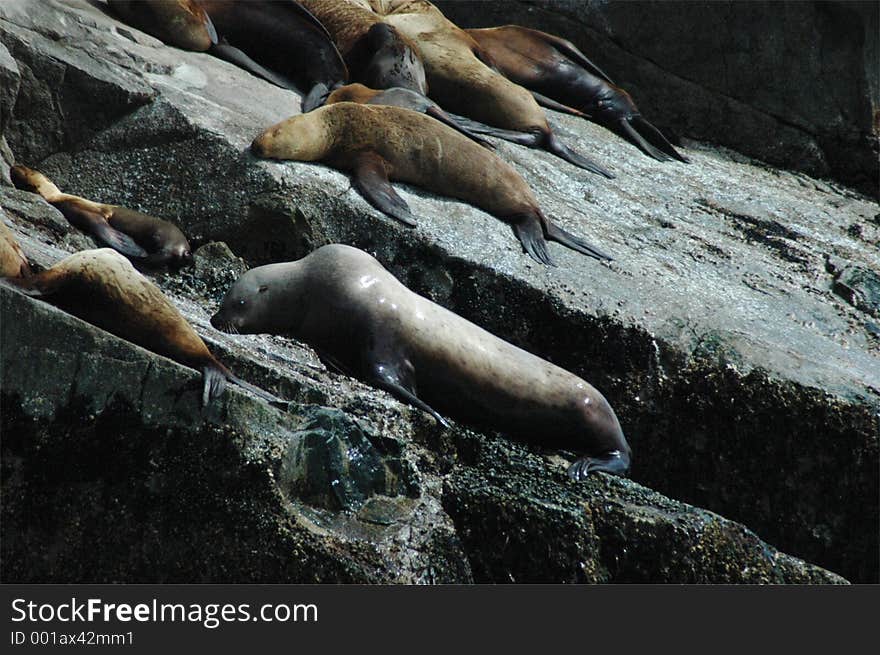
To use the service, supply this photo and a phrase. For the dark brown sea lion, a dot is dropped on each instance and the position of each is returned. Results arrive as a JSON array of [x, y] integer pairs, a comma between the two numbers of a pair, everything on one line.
[[342, 302], [553, 67], [278, 40], [378, 143], [148, 240], [393, 62], [13, 262], [104, 289], [458, 76], [398, 97]]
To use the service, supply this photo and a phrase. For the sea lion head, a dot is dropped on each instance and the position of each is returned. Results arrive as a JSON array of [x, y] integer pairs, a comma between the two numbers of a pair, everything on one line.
[[305, 137], [250, 306], [27, 179]]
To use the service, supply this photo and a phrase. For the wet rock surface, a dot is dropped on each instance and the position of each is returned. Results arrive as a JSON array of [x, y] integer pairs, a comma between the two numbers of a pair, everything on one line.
[[746, 384]]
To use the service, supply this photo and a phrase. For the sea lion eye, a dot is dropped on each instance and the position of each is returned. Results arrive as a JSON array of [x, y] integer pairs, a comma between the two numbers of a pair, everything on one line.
[[263, 288]]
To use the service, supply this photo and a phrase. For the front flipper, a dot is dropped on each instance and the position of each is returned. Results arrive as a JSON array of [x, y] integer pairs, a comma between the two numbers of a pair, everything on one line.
[[315, 98], [371, 179], [615, 463], [556, 233], [214, 383], [235, 56], [389, 378], [549, 103], [558, 148], [527, 228], [438, 114]]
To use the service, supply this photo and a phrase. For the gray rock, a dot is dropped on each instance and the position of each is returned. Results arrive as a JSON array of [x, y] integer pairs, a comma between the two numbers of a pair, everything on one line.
[[744, 383]]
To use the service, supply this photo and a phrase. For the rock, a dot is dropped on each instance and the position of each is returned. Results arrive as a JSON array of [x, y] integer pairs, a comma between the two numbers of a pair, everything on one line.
[[745, 385], [795, 85]]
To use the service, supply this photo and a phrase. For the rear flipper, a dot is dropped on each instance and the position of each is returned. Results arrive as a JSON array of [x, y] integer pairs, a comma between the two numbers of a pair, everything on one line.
[[527, 228], [371, 179], [388, 378], [649, 139], [552, 144], [240, 59], [549, 103], [615, 462], [556, 233], [440, 115], [82, 217]]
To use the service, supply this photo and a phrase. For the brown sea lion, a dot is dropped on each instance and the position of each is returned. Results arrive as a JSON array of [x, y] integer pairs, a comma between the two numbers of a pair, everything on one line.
[[278, 40], [458, 76], [553, 67], [104, 289], [378, 143], [398, 97], [13, 262], [342, 302], [148, 240]]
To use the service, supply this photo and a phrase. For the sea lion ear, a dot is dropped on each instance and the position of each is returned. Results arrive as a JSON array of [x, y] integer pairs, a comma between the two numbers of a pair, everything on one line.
[[263, 288]]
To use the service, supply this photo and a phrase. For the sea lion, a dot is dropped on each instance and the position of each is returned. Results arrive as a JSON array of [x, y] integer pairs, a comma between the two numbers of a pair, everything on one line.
[[342, 302], [405, 98], [459, 74], [148, 240], [104, 289], [551, 66], [277, 40], [13, 262], [393, 62], [379, 143]]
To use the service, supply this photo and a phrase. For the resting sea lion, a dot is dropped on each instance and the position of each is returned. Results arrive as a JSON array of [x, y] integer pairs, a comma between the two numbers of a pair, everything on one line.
[[551, 66], [341, 301], [458, 76], [13, 262], [378, 143], [103, 288], [405, 98], [149, 240], [278, 40]]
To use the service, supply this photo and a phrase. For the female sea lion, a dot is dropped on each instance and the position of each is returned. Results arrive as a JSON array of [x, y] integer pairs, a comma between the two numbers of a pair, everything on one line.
[[341, 301], [458, 76], [13, 262], [379, 143], [104, 289], [551, 66], [405, 98], [148, 240]]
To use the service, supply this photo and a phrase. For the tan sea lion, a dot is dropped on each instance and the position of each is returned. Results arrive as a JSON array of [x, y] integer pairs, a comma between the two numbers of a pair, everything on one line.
[[399, 97], [458, 76], [342, 302], [104, 289], [13, 262], [148, 240], [553, 67], [378, 143]]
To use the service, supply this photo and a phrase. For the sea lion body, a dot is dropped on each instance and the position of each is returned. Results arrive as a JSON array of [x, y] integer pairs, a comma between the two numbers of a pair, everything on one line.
[[104, 289], [379, 143], [554, 68], [148, 240], [13, 262], [345, 304], [182, 23]]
